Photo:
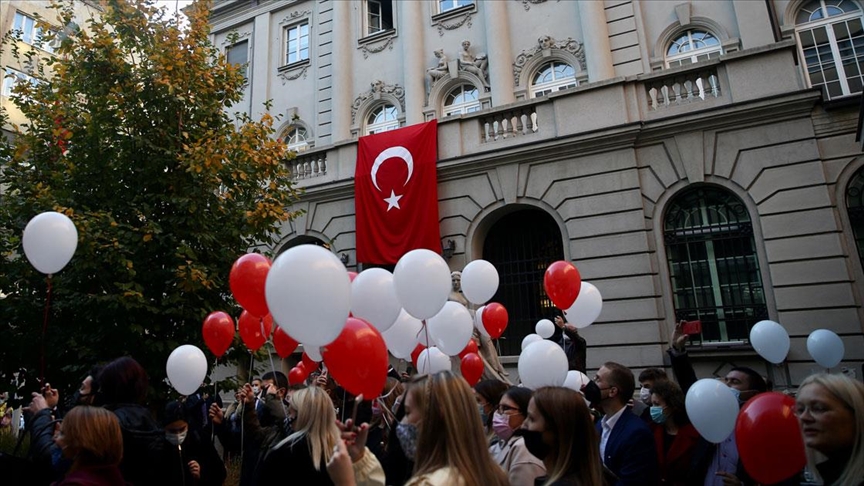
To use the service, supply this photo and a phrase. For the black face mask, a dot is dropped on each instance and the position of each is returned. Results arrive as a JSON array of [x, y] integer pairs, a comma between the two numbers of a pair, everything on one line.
[[534, 443]]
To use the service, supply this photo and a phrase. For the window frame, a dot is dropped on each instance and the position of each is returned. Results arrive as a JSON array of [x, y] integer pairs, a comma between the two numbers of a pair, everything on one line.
[[543, 89], [366, 18], [36, 35], [454, 5], [692, 54], [464, 107], [286, 43], [11, 77], [384, 126], [235, 45], [827, 23], [299, 145]]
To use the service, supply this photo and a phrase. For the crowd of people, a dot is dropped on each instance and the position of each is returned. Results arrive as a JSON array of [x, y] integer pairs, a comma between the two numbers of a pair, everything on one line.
[[428, 430]]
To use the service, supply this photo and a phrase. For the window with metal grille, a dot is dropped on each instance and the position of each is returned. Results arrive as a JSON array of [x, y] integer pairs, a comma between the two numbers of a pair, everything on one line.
[[713, 264], [855, 209], [831, 38], [522, 245]]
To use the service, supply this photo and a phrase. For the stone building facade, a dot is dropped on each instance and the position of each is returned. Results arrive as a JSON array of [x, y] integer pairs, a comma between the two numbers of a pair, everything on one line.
[[694, 159]]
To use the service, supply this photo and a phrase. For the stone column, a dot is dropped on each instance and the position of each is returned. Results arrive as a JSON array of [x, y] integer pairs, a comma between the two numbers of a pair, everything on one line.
[[499, 50], [342, 71], [595, 36], [259, 79], [754, 24], [413, 58]]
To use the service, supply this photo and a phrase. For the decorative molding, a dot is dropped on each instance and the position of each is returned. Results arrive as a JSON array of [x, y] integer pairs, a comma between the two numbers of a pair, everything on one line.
[[379, 90], [293, 16], [369, 48], [546, 45], [231, 40], [294, 71], [461, 20], [527, 3]]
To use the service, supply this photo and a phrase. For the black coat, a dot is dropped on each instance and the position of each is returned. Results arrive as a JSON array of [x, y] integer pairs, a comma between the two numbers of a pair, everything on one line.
[[292, 460], [194, 448], [144, 460]]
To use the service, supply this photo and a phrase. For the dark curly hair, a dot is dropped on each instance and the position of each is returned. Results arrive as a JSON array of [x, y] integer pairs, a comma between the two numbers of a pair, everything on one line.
[[672, 394]]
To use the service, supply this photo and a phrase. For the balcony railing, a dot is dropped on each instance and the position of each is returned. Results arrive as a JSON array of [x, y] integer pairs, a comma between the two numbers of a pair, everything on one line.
[[683, 87], [510, 123], [308, 165]]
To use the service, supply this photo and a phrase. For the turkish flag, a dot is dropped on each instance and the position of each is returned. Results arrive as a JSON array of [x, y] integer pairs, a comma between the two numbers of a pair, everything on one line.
[[396, 193]]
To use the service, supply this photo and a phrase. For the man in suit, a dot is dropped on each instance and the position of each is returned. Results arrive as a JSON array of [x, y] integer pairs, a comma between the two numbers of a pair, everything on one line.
[[626, 443]]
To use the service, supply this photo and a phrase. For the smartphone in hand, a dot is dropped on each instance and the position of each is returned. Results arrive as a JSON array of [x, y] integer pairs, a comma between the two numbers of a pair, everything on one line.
[[691, 328]]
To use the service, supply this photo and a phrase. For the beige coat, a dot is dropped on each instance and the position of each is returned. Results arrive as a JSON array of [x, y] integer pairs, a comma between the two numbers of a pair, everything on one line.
[[519, 464]]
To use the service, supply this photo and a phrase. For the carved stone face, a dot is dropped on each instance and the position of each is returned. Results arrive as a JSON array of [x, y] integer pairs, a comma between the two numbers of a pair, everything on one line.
[[466, 44], [456, 279], [439, 53]]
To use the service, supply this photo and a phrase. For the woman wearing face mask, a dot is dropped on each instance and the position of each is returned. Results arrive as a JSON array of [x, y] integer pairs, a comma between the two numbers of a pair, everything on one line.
[[488, 394], [451, 447], [675, 437], [559, 431], [830, 410], [191, 460], [383, 419], [510, 452], [398, 461]]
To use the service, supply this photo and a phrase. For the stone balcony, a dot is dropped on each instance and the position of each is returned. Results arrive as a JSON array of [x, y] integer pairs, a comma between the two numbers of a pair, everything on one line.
[[600, 111]]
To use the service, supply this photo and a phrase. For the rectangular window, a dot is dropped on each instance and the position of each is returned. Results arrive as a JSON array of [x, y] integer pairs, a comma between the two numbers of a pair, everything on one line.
[[12, 77], [379, 16], [31, 33], [445, 5], [297, 43], [239, 54]]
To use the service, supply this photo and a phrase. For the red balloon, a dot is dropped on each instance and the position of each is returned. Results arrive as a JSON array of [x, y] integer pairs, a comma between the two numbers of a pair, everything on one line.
[[308, 362], [247, 279], [284, 344], [562, 283], [357, 359], [470, 348], [218, 332], [254, 330], [352, 275], [298, 374], [495, 319], [416, 353], [472, 368], [769, 439]]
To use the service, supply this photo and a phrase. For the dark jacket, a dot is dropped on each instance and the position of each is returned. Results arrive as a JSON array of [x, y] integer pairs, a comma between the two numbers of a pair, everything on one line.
[[294, 458], [630, 451], [143, 445], [94, 476], [194, 448], [258, 438], [574, 347], [676, 463]]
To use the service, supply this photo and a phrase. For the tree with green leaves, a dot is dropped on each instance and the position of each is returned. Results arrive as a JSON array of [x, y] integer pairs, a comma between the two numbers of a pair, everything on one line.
[[131, 135]]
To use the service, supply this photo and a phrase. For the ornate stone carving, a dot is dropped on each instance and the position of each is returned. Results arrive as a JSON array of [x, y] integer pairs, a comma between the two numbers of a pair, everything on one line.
[[292, 74], [463, 20], [440, 69], [291, 17], [527, 3], [545, 44], [369, 48], [478, 65], [233, 39], [379, 88]]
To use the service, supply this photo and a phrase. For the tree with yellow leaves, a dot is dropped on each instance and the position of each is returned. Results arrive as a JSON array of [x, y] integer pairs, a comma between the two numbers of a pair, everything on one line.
[[131, 135]]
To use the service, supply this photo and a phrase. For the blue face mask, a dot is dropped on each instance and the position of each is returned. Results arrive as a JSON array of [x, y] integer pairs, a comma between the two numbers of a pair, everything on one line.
[[407, 435], [657, 415], [737, 394]]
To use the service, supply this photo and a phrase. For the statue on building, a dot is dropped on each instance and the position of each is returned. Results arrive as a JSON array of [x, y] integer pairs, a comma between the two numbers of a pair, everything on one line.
[[477, 65], [437, 72], [546, 42], [492, 368]]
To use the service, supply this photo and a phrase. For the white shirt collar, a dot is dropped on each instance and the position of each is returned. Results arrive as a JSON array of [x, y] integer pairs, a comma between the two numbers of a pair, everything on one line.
[[609, 422]]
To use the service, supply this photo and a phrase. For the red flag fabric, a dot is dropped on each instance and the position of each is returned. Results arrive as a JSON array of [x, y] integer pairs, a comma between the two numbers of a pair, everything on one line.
[[396, 193]]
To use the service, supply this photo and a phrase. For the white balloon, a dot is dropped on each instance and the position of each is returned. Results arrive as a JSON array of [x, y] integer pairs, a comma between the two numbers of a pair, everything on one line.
[[542, 363], [313, 352], [770, 340], [545, 328], [186, 367], [712, 409], [309, 294], [422, 281], [401, 338], [478, 321], [530, 339], [825, 347], [432, 360], [479, 281], [451, 329], [576, 380], [49, 241], [587, 307], [373, 298]]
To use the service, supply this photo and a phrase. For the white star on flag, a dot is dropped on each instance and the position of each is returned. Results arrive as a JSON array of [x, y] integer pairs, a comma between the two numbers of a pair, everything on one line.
[[392, 201]]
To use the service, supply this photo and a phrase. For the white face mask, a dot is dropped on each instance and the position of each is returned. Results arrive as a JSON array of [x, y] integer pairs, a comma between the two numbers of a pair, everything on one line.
[[256, 389], [645, 394], [176, 439]]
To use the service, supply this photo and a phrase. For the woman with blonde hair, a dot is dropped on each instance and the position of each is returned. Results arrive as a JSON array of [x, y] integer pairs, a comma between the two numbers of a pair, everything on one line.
[[559, 431], [91, 438], [830, 410], [303, 455], [451, 445]]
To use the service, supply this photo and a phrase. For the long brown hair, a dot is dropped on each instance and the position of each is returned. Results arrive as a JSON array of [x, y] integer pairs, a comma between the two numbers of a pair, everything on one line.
[[575, 449], [91, 436]]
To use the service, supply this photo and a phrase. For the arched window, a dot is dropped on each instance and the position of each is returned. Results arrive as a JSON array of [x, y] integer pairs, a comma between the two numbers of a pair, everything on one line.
[[296, 139], [553, 76], [855, 209], [691, 47], [463, 99], [831, 39], [713, 264], [381, 119]]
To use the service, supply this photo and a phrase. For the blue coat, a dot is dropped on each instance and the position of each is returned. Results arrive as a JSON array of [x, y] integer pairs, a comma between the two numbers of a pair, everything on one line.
[[630, 451]]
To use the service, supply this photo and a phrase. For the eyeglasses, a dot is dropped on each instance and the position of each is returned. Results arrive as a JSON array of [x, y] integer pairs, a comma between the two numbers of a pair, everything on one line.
[[507, 410], [816, 409]]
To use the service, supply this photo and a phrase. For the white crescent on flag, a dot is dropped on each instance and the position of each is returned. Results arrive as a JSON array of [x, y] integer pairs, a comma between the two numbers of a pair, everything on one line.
[[389, 153]]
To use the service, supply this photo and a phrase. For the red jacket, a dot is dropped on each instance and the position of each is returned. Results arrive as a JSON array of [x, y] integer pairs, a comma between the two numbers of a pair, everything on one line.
[[94, 476], [675, 465]]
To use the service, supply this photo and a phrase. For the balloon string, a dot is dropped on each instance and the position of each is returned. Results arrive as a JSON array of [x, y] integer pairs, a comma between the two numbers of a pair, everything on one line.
[[44, 333], [273, 369]]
